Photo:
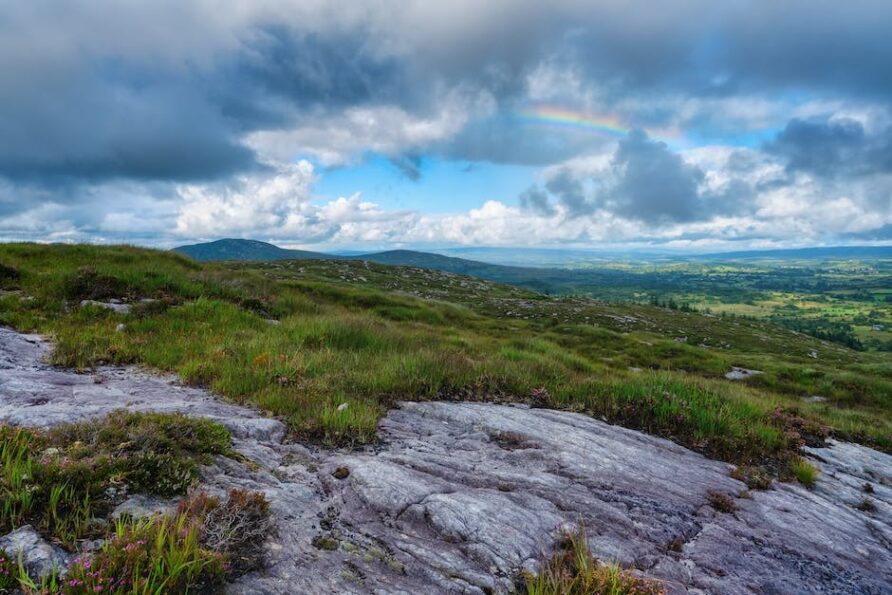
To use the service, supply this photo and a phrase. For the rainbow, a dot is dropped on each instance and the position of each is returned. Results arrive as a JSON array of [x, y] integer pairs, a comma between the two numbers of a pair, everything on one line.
[[557, 116]]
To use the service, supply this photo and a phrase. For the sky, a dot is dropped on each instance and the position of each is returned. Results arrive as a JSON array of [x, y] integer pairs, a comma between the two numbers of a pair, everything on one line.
[[688, 125]]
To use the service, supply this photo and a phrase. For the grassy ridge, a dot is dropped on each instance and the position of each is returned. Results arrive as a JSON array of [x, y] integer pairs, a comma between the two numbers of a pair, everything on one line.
[[300, 339]]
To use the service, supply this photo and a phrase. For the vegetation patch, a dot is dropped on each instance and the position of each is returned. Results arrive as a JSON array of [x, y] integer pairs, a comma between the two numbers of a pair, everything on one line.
[[9, 276], [89, 284], [804, 472], [193, 550], [367, 336], [574, 571], [8, 573], [62, 480], [721, 501]]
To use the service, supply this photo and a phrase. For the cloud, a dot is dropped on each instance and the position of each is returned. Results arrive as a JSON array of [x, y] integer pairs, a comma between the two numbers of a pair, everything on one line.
[[833, 147], [252, 203], [653, 183], [174, 118], [643, 181], [536, 200]]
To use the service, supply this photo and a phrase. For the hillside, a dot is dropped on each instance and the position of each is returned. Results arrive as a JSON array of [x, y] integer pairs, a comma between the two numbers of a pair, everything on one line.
[[836, 294], [238, 249], [299, 337]]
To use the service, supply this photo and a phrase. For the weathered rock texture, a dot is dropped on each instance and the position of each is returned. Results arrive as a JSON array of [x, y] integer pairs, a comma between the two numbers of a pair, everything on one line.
[[460, 496]]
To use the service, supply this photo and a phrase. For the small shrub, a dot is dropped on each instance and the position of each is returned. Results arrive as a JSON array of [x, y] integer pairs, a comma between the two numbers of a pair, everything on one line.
[[8, 573], [866, 505], [805, 472], [800, 430], [755, 478], [60, 480], [237, 528], [574, 571], [88, 284], [8, 275], [721, 502], [156, 555]]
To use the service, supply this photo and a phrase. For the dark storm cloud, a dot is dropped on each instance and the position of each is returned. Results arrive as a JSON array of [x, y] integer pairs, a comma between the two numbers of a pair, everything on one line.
[[646, 181], [87, 114], [309, 69], [654, 185], [569, 191], [832, 148], [67, 117]]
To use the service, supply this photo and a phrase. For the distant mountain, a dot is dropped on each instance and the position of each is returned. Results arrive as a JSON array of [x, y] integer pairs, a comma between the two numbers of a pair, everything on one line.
[[540, 279], [236, 249]]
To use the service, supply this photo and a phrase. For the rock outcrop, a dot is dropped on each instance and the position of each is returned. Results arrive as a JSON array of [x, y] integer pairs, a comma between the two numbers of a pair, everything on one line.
[[459, 497]]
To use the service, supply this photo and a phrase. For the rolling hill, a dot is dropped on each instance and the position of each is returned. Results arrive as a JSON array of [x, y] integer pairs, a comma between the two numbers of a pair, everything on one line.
[[238, 249]]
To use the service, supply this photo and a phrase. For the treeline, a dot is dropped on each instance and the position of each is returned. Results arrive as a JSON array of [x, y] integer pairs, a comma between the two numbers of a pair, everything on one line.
[[671, 304], [822, 329]]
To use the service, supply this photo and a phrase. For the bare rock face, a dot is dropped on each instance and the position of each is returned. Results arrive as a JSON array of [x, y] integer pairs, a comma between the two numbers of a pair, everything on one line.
[[459, 497]]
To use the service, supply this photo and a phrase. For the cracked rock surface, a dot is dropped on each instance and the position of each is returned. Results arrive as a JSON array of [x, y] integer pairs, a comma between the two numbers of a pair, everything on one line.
[[459, 497]]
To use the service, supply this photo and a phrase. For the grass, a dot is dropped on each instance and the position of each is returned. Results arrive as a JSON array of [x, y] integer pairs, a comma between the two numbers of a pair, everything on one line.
[[300, 339], [62, 480], [574, 571], [804, 472], [66, 481]]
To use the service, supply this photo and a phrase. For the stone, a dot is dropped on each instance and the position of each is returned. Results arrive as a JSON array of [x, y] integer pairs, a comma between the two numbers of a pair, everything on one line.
[[140, 506], [814, 399], [39, 557], [113, 305], [738, 373]]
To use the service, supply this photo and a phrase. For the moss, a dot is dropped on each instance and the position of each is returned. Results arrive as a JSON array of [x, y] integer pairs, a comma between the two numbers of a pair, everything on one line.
[[8, 573]]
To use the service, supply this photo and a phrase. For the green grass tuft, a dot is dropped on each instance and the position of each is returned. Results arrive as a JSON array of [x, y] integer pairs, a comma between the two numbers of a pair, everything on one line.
[[805, 472], [574, 571]]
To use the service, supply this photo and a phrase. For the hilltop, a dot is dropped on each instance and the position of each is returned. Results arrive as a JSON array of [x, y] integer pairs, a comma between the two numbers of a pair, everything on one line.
[[238, 249]]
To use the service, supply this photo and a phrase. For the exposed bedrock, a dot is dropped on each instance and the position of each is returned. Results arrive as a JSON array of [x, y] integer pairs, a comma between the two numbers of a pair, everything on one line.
[[459, 497]]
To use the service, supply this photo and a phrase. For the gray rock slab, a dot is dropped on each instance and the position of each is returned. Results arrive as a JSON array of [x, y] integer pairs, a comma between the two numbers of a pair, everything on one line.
[[458, 497], [38, 556]]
